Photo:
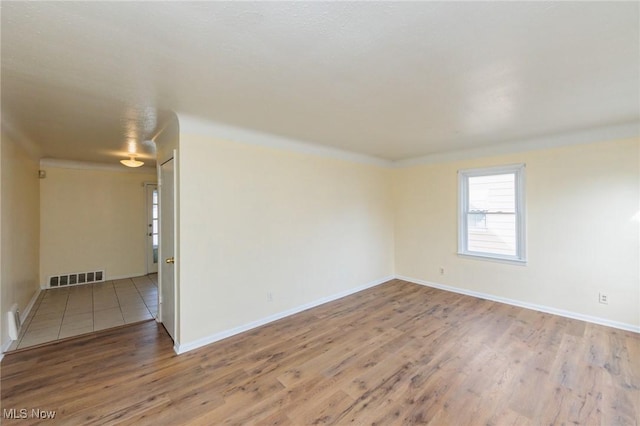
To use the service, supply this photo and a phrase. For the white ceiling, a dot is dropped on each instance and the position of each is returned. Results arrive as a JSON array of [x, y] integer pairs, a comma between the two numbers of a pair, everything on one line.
[[393, 80]]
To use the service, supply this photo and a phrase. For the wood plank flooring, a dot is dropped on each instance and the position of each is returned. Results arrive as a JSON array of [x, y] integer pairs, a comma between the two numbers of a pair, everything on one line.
[[397, 353]]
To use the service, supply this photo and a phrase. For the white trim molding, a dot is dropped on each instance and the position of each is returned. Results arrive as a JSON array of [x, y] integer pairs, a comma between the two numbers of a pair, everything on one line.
[[24, 314], [199, 126], [526, 305], [186, 347], [599, 134], [86, 165]]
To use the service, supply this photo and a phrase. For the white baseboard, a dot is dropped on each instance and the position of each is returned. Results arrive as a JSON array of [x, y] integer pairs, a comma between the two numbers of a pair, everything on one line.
[[526, 305], [186, 347], [24, 314]]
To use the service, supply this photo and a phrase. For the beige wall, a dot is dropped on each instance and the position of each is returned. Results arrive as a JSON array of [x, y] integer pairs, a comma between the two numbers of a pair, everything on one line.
[[93, 219], [257, 220], [582, 237], [20, 229]]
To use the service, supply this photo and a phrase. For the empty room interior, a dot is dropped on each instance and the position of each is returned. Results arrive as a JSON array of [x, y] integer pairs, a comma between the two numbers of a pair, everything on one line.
[[320, 213]]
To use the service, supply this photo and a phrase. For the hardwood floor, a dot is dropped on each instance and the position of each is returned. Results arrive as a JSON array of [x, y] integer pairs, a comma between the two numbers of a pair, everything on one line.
[[397, 353]]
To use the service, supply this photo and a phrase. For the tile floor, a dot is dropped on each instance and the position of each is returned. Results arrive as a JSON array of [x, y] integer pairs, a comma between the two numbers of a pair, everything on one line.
[[71, 311]]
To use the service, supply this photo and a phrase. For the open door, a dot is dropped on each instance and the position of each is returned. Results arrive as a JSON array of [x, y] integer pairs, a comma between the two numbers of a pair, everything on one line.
[[167, 291]]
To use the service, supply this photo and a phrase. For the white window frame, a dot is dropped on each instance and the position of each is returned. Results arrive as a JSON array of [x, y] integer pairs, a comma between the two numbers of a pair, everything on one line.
[[463, 208]]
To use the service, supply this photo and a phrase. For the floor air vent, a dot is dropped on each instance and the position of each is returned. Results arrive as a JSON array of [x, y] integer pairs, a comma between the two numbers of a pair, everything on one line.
[[75, 279]]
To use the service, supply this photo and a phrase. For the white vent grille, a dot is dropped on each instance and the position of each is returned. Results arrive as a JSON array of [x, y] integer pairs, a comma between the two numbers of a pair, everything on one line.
[[77, 278]]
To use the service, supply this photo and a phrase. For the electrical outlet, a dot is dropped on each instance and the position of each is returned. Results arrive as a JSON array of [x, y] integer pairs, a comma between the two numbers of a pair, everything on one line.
[[442, 270], [603, 298], [269, 297]]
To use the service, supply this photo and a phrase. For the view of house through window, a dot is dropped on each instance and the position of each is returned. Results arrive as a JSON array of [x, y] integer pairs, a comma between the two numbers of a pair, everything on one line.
[[154, 225], [491, 215]]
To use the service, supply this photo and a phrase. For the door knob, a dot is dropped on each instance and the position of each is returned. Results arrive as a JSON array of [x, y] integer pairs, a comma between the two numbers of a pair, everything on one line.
[[170, 260]]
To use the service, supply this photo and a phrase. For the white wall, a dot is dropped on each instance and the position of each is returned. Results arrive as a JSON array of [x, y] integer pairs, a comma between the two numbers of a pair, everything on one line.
[[257, 220], [93, 219], [20, 229], [582, 237]]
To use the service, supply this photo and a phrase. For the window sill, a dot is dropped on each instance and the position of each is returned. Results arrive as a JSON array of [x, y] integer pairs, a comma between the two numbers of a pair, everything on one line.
[[489, 258]]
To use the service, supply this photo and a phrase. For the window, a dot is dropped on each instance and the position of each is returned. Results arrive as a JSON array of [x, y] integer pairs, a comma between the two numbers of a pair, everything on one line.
[[491, 220], [154, 225]]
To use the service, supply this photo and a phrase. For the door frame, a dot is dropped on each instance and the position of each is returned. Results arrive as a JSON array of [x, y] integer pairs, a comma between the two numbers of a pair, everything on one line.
[[161, 251]]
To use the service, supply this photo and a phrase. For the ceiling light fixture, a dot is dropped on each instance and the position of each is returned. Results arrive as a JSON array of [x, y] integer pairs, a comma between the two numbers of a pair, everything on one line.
[[132, 162]]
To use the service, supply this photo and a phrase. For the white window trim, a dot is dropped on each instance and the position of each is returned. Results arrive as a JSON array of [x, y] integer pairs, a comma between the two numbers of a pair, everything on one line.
[[463, 200]]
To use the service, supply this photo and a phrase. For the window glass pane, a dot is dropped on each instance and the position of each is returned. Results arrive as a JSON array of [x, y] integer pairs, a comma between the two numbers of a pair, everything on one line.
[[498, 237], [155, 226], [491, 218], [155, 196], [495, 193], [478, 221], [154, 212]]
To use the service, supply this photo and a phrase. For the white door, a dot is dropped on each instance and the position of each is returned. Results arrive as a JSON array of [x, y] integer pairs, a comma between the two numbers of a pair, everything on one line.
[[152, 228], [167, 238]]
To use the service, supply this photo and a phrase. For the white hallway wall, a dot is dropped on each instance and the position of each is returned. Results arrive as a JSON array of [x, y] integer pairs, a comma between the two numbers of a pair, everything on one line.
[[92, 219]]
